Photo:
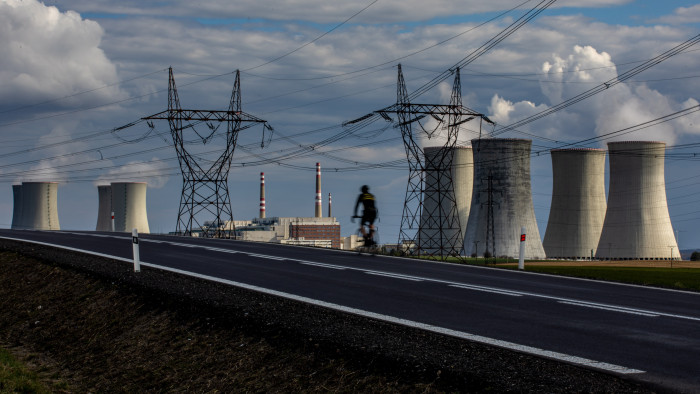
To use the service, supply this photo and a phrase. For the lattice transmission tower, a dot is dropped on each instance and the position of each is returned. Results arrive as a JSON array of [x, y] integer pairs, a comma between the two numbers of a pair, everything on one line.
[[441, 235], [205, 204]]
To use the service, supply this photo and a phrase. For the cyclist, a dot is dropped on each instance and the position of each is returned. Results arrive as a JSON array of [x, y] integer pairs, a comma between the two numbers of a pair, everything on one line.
[[369, 214]]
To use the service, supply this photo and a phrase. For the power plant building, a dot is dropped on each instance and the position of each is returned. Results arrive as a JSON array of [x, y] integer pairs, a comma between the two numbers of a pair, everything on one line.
[[502, 200], [578, 206], [104, 208], [308, 231], [129, 206], [637, 223], [38, 207], [446, 200]]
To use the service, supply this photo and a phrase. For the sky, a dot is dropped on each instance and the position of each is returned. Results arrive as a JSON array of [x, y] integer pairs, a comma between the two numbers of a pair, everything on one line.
[[73, 71]]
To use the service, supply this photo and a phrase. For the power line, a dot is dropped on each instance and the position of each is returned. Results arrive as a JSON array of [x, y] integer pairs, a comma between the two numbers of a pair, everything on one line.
[[314, 40]]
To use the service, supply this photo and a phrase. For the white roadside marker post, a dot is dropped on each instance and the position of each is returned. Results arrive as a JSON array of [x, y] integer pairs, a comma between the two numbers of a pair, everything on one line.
[[521, 258], [135, 242], [112, 221]]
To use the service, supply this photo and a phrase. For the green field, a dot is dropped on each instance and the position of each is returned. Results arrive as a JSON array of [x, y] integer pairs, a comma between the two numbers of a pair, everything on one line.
[[673, 278]]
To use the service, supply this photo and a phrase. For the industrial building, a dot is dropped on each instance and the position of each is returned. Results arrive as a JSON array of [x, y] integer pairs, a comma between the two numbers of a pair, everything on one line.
[[129, 206], [637, 224], [502, 200], [309, 231], [36, 206], [578, 206], [104, 208], [445, 200], [321, 232]]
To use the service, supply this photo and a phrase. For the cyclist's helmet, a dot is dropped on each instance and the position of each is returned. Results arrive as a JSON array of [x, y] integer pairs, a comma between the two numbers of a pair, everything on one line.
[[365, 189]]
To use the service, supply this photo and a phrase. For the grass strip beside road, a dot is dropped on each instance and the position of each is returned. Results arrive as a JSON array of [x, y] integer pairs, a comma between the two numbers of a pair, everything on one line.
[[15, 377], [676, 278]]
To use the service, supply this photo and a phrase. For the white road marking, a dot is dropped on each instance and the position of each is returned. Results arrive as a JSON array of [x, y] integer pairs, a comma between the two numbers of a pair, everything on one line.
[[331, 266], [265, 256], [391, 319], [395, 276], [488, 290], [614, 309]]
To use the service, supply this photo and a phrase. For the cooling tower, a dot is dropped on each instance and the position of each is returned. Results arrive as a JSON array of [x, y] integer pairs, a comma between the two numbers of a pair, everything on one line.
[[637, 224], [129, 205], [39, 206], [578, 203], [502, 200], [104, 209], [442, 198], [16, 207]]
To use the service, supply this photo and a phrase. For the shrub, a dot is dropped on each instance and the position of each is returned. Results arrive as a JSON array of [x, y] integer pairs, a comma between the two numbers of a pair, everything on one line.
[[695, 256]]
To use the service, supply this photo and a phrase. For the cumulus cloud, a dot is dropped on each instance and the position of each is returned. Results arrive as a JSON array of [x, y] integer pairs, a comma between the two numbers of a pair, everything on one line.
[[621, 106], [48, 54]]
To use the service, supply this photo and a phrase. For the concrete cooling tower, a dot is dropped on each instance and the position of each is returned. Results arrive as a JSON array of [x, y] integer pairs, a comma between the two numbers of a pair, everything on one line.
[[502, 200], [637, 224], [578, 203], [104, 209], [129, 205], [39, 206], [442, 198], [16, 207]]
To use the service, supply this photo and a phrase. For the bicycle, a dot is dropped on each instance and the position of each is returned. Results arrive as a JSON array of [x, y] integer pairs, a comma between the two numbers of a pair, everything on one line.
[[373, 246]]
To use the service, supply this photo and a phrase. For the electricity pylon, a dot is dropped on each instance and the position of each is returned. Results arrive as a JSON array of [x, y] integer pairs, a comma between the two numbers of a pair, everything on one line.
[[205, 203], [441, 234]]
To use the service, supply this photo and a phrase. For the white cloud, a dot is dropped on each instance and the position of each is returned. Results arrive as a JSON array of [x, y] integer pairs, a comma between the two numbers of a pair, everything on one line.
[[621, 106], [682, 15], [504, 112], [47, 54]]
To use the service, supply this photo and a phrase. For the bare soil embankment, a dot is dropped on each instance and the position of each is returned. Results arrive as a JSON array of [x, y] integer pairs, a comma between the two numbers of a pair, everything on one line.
[[99, 327]]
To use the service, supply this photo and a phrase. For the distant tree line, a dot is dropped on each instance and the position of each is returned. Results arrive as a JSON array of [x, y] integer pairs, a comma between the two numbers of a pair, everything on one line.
[[695, 256]]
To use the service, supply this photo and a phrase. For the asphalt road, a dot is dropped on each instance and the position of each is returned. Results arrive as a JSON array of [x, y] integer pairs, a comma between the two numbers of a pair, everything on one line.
[[648, 334]]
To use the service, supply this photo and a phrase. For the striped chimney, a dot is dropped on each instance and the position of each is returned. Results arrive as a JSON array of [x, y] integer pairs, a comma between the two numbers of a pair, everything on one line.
[[329, 206], [262, 195], [319, 210]]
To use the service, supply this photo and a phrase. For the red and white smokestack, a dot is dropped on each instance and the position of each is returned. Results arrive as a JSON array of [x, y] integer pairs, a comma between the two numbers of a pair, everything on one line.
[[262, 195], [319, 209], [329, 206]]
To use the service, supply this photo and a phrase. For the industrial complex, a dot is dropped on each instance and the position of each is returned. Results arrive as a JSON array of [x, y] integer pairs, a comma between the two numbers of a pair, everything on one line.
[[486, 201]]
